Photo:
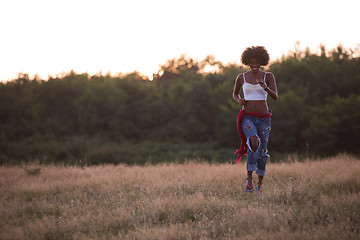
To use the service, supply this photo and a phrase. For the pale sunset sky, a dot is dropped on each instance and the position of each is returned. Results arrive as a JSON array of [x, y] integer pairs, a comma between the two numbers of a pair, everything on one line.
[[50, 37]]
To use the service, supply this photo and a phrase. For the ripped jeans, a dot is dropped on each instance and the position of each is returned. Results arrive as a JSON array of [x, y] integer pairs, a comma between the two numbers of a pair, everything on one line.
[[259, 127]]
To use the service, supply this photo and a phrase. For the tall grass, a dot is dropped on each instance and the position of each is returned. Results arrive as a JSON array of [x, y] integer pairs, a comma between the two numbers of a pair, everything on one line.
[[315, 199]]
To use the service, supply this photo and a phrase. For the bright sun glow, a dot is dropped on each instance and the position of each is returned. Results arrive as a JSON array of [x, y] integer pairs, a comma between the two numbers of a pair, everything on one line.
[[150, 71], [207, 68], [49, 37]]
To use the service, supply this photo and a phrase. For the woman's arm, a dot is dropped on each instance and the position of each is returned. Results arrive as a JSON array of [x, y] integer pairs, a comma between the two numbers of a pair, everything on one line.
[[236, 93], [270, 86]]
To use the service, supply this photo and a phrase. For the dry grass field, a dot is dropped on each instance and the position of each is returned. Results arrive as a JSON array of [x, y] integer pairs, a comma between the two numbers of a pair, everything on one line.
[[316, 199]]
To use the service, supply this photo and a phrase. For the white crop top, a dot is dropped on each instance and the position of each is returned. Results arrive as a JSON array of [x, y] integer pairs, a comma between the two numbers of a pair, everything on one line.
[[254, 91]]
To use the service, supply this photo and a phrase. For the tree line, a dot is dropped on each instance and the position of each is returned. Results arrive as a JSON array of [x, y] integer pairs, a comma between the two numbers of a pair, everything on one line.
[[184, 112]]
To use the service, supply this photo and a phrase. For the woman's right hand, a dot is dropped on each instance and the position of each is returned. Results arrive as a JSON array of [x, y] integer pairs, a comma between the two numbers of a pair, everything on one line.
[[241, 101]]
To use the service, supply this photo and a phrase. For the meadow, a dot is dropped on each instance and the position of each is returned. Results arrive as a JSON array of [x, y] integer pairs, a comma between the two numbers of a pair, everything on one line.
[[311, 199]]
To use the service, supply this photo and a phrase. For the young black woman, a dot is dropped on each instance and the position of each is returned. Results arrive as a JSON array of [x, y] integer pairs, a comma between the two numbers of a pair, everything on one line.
[[254, 119]]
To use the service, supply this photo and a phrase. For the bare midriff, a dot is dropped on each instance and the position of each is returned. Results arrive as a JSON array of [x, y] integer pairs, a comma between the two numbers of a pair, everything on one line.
[[256, 106]]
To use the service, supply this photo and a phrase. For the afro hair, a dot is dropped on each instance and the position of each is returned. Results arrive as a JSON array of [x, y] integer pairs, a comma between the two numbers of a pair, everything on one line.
[[258, 52]]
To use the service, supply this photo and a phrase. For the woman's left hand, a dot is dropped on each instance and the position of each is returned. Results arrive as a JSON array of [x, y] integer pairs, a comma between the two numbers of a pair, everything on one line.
[[261, 82]]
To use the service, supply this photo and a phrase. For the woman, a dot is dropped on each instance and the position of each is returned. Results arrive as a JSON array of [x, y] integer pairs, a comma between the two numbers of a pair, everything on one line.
[[254, 119]]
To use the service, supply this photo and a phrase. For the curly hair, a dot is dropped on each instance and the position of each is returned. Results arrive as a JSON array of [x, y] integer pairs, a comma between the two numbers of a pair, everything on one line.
[[258, 52]]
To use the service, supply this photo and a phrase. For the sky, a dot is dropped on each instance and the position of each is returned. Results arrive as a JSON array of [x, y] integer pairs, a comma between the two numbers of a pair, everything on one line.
[[51, 37]]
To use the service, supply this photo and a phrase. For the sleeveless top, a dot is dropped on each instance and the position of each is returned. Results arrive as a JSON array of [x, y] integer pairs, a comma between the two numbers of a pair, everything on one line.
[[254, 91]]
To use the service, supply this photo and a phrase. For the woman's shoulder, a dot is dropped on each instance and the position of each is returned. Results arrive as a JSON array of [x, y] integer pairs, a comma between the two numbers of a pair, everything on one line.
[[241, 75], [269, 74], [240, 78]]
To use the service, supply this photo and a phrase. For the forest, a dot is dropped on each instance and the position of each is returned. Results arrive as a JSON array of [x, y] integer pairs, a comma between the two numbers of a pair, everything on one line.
[[184, 113]]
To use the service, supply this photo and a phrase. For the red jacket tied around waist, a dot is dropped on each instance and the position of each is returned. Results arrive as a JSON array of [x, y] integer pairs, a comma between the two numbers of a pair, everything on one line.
[[243, 148]]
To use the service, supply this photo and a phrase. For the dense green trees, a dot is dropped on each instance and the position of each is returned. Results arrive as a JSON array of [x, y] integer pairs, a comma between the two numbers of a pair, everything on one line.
[[184, 112]]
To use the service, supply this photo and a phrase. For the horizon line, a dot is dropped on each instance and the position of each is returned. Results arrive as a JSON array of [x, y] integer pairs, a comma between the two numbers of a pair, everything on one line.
[[99, 72]]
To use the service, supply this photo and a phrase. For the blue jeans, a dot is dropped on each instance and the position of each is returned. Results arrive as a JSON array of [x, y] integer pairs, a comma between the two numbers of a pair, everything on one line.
[[259, 127]]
